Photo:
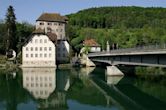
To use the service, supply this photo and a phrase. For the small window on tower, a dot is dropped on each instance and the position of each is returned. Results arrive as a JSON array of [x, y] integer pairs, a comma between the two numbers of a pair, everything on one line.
[[49, 23], [41, 23]]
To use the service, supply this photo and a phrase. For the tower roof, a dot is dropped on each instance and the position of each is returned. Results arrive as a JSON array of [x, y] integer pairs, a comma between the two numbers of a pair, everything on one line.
[[52, 17]]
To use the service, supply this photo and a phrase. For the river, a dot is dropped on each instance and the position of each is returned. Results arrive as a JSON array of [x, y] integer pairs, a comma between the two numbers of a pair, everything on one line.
[[80, 89]]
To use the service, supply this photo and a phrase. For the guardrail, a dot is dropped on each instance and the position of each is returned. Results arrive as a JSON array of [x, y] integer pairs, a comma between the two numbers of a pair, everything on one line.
[[147, 48]]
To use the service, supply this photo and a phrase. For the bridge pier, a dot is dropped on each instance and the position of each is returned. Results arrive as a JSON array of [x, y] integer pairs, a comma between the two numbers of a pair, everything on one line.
[[113, 71]]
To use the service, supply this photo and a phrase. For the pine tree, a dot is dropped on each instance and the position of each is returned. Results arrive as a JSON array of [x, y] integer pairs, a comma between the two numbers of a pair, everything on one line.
[[10, 23]]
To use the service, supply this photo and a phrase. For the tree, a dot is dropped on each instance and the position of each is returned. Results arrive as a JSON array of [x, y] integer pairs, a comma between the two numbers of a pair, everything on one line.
[[10, 22]]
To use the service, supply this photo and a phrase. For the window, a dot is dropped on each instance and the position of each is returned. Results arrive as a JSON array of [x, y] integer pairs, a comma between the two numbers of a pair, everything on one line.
[[49, 30], [32, 55], [49, 23], [27, 78], [50, 84], [63, 55], [61, 30], [45, 48], [55, 23], [63, 49], [36, 40], [26, 48], [36, 55], [45, 40], [40, 40], [56, 30], [31, 48], [59, 24], [36, 49], [41, 55], [26, 55], [40, 78], [41, 23], [58, 55], [40, 48], [50, 48], [59, 49], [31, 78], [45, 55], [49, 54], [45, 78]]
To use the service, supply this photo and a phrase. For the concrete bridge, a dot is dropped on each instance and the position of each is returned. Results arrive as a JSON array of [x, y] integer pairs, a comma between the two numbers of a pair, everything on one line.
[[154, 55]]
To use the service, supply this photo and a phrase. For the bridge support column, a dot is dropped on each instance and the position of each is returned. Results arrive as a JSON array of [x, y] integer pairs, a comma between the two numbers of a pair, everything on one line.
[[113, 71]]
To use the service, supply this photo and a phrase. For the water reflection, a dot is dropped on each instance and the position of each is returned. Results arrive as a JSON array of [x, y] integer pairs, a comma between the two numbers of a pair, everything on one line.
[[76, 89], [113, 80], [40, 82], [46, 86]]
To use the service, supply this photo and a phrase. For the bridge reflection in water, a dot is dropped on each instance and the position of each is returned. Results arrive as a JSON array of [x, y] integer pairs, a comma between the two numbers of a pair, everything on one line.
[[126, 96]]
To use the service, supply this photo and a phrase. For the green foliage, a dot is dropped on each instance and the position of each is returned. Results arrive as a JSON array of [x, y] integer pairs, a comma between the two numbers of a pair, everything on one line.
[[10, 22], [116, 17], [13, 32], [24, 30]]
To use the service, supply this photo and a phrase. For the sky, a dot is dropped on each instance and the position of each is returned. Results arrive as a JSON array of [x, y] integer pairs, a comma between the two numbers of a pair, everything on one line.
[[30, 10]]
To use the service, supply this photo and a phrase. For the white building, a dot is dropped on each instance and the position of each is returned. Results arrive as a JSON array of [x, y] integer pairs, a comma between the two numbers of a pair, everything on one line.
[[92, 45], [55, 23], [39, 50]]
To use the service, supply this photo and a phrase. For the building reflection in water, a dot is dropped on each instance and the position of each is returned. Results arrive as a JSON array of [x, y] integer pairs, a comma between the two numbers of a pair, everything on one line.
[[44, 84]]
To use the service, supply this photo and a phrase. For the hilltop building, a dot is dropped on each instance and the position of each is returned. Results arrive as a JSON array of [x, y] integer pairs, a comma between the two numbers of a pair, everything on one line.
[[55, 23]]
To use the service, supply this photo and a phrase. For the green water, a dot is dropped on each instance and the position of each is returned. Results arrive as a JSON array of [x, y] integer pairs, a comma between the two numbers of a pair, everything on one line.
[[79, 89]]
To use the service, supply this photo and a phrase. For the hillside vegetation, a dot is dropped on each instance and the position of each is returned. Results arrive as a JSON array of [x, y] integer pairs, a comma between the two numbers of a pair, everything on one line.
[[127, 26]]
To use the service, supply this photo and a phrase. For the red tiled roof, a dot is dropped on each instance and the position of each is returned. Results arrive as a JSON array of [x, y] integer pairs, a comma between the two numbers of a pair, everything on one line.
[[91, 43], [52, 17]]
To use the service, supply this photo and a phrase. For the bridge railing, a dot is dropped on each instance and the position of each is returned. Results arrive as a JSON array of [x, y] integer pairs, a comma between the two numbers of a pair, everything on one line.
[[144, 48]]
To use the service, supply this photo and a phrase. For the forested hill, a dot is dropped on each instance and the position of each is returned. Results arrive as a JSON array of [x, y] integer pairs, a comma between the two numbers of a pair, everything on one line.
[[115, 17], [126, 26]]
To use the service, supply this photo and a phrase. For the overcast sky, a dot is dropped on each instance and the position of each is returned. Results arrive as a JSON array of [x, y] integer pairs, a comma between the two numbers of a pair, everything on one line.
[[30, 10]]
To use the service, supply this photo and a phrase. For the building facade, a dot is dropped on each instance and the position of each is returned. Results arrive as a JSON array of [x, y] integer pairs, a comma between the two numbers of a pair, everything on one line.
[[39, 50], [55, 23]]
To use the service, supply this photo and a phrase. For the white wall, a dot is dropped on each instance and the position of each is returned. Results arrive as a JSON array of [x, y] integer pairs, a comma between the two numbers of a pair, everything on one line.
[[39, 58], [95, 49]]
